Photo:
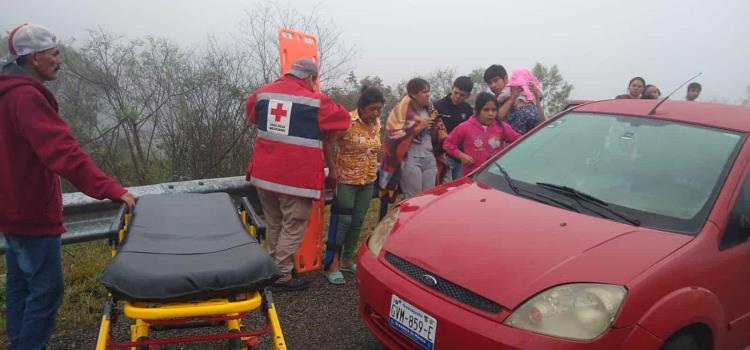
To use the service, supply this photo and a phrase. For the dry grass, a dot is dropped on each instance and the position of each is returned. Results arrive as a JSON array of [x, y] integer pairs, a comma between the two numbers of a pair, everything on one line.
[[84, 296]]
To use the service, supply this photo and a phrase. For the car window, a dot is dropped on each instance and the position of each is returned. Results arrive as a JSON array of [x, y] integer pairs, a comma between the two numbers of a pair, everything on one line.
[[666, 172], [735, 233]]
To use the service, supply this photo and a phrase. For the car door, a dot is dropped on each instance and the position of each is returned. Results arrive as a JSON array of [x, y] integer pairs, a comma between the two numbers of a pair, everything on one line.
[[735, 258]]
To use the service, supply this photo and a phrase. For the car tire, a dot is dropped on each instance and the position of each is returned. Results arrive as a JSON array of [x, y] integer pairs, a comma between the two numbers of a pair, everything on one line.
[[681, 341]]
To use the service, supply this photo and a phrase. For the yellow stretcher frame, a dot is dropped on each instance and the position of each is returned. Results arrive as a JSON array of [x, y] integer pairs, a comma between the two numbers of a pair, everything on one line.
[[141, 313]]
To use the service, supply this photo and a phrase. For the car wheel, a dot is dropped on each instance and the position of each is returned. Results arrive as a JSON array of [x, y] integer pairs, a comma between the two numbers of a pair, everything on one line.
[[681, 341]]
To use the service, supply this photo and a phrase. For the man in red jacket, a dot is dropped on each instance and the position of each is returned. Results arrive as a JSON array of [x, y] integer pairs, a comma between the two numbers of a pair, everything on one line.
[[36, 147], [295, 125]]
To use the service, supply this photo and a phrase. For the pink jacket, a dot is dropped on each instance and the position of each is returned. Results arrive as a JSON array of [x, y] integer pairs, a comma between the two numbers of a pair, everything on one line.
[[478, 142], [523, 77]]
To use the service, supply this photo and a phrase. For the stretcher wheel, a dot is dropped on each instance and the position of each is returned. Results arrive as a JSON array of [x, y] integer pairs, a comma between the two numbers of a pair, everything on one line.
[[144, 347], [234, 343]]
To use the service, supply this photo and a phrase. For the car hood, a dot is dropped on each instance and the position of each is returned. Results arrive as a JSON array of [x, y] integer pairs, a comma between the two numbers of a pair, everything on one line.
[[508, 248]]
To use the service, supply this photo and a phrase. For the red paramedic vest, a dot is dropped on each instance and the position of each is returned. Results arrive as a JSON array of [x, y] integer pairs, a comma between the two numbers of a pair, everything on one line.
[[288, 153]]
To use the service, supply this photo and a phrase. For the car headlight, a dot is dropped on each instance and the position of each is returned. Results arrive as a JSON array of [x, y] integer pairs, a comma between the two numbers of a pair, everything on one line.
[[381, 232], [581, 311]]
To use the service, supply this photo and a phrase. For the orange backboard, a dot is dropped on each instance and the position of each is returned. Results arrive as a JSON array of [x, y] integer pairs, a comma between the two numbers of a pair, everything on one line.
[[294, 45]]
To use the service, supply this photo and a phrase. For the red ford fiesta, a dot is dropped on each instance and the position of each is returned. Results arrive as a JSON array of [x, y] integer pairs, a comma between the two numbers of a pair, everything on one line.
[[606, 227]]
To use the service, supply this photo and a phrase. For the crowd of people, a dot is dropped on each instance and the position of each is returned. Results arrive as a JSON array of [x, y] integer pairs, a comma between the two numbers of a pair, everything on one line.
[[638, 89], [300, 132], [424, 143]]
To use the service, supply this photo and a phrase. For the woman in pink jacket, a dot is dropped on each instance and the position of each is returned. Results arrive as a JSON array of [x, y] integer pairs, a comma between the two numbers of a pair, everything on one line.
[[481, 136]]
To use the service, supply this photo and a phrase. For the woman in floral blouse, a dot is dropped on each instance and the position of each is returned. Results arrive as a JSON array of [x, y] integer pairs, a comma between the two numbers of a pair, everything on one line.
[[356, 162]]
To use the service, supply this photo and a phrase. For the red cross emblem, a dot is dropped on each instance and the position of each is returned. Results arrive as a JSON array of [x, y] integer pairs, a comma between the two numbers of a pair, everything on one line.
[[279, 112]]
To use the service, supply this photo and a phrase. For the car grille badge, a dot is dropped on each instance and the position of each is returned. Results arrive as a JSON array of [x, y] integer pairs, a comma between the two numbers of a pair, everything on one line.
[[429, 280]]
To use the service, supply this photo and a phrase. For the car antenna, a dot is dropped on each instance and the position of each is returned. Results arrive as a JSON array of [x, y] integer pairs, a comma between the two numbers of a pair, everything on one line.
[[653, 110]]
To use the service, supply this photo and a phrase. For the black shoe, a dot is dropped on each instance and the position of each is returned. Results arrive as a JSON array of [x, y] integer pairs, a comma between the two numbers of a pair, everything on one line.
[[291, 285]]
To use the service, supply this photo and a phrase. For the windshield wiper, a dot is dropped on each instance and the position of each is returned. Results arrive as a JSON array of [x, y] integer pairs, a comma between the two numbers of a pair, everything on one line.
[[517, 191], [507, 178], [575, 194]]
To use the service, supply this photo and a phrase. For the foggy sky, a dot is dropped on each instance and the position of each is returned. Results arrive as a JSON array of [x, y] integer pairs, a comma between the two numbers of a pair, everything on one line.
[[598, 45]]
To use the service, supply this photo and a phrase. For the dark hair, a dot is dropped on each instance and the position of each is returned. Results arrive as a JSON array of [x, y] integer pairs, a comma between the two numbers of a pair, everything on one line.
[[645, 88], [416, 85], [495, 70], [695, 86], [369, 95], [482, 100], [21, 60], [464, 84], [643, 81]]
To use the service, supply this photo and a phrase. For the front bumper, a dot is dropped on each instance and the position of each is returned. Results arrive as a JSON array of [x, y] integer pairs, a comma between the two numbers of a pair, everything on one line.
[[460, 326]]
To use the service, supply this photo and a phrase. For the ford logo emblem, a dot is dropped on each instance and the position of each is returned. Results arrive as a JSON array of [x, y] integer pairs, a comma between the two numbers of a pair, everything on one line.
[[429, 280]]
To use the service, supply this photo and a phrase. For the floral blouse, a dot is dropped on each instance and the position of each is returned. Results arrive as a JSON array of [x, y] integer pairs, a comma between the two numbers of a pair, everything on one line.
[[358, 149]]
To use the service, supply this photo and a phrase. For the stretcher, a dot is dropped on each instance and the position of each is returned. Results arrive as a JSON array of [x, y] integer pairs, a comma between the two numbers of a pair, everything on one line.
[[185, 261]]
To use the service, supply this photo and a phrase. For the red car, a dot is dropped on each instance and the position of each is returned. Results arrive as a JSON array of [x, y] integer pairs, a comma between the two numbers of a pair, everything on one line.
[[606, 227]]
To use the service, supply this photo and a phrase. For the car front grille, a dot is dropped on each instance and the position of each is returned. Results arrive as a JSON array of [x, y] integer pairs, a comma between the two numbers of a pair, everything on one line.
[[443, 286]]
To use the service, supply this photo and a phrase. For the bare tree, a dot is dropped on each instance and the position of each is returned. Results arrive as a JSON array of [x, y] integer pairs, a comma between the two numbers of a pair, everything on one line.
[[259, 40], [441, 82], [477, 76], [556, 89], [351, 90], [134, 81], [204, 130], [148, 110]]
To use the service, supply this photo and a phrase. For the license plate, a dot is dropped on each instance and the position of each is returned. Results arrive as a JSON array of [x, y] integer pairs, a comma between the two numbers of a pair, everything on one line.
[[413, 323]]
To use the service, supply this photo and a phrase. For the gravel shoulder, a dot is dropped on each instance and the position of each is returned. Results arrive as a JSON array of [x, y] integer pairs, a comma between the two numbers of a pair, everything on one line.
[[322, 317]]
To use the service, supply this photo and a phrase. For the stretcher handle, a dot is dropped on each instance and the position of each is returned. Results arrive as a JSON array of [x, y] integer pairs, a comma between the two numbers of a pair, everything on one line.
[[254, 218], [117, 223]]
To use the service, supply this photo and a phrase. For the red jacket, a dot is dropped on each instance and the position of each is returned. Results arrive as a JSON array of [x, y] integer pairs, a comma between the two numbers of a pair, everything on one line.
[[35, 146], [288, 153]]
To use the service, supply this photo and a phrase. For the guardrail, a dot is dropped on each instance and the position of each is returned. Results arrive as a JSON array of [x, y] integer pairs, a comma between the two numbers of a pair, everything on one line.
[[88, 219]]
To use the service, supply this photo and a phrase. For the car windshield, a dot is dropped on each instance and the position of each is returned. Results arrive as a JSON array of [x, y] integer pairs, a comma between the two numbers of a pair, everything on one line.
[[663, 174]]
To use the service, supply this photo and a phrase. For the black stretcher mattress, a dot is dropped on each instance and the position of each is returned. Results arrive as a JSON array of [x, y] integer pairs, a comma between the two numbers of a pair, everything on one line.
[[182, 247]]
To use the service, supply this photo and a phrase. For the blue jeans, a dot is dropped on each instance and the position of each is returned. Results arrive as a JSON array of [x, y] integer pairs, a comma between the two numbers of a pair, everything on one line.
[[454, 170], [33, 289]]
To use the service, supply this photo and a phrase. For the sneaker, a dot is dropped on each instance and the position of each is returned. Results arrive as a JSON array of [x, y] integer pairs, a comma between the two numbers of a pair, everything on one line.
[[291, 285]]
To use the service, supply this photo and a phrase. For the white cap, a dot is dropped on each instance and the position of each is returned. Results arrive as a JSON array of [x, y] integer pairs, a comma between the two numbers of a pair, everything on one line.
[[27, 39]]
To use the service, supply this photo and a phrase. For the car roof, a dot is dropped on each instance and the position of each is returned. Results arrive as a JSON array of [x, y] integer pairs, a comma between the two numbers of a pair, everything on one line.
[[733, 117]]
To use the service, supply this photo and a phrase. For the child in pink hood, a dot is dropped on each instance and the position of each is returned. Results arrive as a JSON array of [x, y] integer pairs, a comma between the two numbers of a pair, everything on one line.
[[481, 136]]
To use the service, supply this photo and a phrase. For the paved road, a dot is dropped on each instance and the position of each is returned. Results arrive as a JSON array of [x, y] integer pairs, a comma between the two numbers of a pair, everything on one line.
[[323, 317]]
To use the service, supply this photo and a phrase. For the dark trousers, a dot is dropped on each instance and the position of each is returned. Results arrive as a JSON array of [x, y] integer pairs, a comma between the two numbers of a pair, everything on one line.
[[33, 289], [353, 202]]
